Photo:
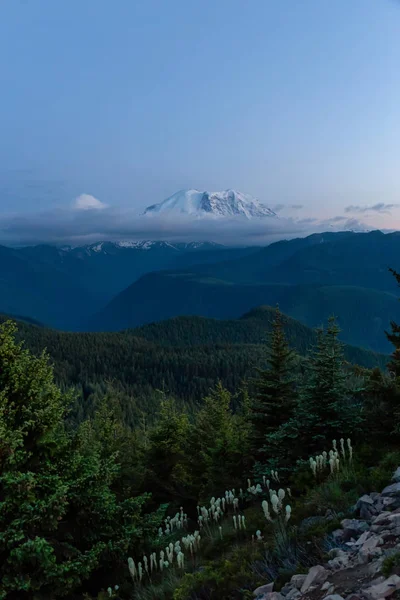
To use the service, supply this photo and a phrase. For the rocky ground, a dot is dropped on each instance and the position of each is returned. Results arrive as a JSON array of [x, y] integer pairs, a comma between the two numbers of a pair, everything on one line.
[[354, 569]]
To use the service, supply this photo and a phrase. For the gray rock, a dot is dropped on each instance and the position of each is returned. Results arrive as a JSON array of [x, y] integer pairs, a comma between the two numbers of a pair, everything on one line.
[[316, 575], [365, 500], [340, 562], [396, 475], [363, 538], [367, 512], [264, 589], [370, 548], [325, 586], [298, 580], [353, 528], [333, 597], [286, 589], [381, 519], [392, 490], [337, 535], [274, 596], [384, 589], [374, 495], [293, 595]]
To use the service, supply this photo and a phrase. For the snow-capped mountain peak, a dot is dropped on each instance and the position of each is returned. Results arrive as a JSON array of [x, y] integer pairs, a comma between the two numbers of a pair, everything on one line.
[[228, 203]]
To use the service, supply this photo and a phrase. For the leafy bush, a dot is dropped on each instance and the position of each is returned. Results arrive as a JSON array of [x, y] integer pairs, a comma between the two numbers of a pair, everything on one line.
[[390, 564]]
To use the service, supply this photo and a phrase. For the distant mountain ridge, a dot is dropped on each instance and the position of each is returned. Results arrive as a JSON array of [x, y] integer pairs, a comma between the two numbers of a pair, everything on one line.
[[63, 287], [346, 274], [106, 246], [228, 203], [185, 356]]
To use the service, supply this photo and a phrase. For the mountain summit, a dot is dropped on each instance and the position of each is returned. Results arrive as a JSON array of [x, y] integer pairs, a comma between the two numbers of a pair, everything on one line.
[[228, 203]]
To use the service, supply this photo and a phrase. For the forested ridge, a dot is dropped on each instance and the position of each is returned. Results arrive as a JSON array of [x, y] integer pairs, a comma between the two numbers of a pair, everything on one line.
[[199, 496], [182, 357]]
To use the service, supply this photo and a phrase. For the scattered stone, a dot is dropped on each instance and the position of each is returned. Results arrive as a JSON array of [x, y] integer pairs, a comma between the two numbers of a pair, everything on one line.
[[316, 575], [381, 519], [396, 475], [293, 595], [363, 538], [273, 596], [367, 512], [384, 589], [374, 495], [387, 502], [365, 500], [340, 562], [264, 589], [286, 589], [392, 490], [298, 580], [337, 535], [353, 528]]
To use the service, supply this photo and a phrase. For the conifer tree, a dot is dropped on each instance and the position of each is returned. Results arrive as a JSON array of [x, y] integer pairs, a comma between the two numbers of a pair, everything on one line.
[[274, 386], [219, 440], [167, 472], [60, 520], [325, 410], [394, 338]]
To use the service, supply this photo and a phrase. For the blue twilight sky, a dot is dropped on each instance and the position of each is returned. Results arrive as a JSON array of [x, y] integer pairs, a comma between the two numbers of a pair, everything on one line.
[[295, 102]]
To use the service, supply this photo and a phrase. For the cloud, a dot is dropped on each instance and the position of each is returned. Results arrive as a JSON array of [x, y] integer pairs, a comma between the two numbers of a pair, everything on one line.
[[380, 207], [89, 220], [279, 207], [88, 202]]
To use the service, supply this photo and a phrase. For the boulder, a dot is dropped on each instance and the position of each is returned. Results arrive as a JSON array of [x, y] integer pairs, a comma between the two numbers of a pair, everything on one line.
[[298, 580], [340, 562], [286, 589], [365, 500], [337, 535], [353, 528], [370, 548], [363, 538], [333, 597], [264, 589], [392, 490], [396, 475], [384, 589], [367, 512], [273, 596], [293, 595], [381, 519], [316, 576]]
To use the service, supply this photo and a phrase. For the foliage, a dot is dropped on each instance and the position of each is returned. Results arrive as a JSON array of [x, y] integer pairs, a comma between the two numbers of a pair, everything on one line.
[[59, 517], [391, 564], [275, 393], [220, 442], [324, 407]]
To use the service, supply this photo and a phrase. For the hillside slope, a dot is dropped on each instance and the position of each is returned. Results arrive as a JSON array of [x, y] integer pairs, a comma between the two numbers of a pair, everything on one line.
[[64, 287], [343, 274], [183, 356]]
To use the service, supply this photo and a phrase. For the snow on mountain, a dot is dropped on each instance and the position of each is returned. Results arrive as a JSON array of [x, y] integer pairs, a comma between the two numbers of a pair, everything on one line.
[[228, 203], [112, 247]]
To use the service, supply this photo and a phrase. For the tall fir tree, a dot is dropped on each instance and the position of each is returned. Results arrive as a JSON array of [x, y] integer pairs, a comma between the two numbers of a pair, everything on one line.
[[274, 387], [325, 410], [394, 339], [60, 519], [218, 442]]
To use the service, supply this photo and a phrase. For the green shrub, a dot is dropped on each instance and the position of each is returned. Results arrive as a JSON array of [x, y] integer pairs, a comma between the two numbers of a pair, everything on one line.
[[390, 563], [228, 578], [381, 475]]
